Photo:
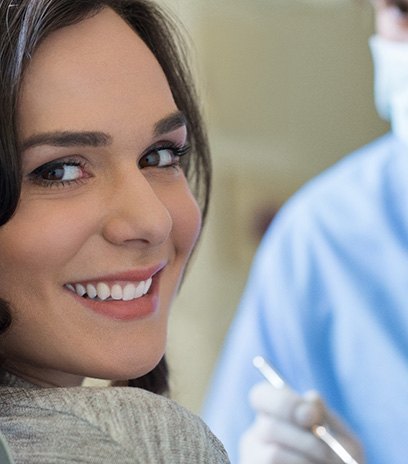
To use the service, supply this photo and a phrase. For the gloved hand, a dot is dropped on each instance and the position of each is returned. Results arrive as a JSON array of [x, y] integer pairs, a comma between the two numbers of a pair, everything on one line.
[[280, 433]]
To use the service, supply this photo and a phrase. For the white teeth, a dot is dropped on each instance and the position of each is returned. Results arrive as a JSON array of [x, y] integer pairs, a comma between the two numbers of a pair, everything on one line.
[[139, 290], [91, 291], [129, 292], [102, 291], [80, 289], [116, 292], [147, 286]]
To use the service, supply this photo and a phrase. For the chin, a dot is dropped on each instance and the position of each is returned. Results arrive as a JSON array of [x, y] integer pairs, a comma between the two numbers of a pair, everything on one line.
[[127, 370]]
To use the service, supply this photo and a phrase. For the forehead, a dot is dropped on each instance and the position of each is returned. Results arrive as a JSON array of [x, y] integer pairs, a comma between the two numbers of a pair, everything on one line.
[[91, 72]]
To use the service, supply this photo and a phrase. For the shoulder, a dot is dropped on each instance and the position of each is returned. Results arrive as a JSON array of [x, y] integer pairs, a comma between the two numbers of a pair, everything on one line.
[[340, 192], [335, 210], [359, 172], [135, 423]]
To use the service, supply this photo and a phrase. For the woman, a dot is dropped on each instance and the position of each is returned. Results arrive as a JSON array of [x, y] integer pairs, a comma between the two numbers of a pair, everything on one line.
[[99, 133]]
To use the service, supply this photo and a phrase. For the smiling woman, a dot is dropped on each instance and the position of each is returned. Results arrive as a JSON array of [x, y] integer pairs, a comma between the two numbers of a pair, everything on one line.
[[103, 161]]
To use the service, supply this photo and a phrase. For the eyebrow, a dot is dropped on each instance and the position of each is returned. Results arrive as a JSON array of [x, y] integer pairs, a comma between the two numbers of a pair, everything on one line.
[[170, 123], [98, 139], [67, 139]]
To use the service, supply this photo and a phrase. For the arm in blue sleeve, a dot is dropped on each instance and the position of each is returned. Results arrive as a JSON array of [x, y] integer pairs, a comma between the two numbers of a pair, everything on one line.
[[267, 323]]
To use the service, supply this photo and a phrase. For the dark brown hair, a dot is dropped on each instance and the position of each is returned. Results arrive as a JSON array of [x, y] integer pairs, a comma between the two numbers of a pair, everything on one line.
[[24, 24]]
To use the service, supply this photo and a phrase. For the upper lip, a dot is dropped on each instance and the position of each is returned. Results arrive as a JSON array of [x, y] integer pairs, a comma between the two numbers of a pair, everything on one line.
[[135, 275]]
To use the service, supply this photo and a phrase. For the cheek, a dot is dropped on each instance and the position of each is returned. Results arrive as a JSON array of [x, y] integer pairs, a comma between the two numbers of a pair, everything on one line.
[[41, 236], [186, 217]]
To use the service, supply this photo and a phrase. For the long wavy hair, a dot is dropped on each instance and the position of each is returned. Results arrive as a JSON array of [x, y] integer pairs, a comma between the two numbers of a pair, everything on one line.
[[24, 24]]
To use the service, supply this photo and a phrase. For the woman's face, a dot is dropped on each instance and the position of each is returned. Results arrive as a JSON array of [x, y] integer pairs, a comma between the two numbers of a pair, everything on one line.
[[392, 19], [104, 208]]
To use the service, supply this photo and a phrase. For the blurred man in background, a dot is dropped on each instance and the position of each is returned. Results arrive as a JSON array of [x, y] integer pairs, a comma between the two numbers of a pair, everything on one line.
[[327, 300]]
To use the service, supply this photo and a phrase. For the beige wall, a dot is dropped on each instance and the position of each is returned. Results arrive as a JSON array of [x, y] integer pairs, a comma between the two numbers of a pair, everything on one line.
[[286, 86]]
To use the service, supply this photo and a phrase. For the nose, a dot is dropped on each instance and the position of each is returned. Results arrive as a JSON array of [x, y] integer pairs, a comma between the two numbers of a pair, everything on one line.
[[134, 213]]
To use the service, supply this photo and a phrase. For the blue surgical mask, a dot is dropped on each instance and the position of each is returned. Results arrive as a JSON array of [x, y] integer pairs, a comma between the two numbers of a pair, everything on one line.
[[391, 83]]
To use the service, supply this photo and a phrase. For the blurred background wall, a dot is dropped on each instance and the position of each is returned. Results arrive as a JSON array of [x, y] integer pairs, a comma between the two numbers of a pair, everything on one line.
[[286, 88]]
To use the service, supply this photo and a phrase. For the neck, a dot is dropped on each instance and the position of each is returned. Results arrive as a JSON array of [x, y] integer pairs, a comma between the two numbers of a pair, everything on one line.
[[42, 377]]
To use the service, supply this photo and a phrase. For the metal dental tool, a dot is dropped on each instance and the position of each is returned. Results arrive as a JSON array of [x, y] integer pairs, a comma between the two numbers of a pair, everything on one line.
[[320, 431]]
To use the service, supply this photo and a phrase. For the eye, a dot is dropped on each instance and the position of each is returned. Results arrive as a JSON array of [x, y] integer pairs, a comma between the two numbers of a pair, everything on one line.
[[58, 172], [162, 157]]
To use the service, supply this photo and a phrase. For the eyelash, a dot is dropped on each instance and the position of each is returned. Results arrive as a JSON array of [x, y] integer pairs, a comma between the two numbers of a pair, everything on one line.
[[35, 176], [177, 153]]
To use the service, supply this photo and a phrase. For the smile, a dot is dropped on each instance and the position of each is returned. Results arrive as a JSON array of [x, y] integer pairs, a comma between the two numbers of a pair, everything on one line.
[[118, 291]]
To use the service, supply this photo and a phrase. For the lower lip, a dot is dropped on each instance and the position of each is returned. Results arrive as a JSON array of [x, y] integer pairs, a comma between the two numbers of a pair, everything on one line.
[[139, 308]]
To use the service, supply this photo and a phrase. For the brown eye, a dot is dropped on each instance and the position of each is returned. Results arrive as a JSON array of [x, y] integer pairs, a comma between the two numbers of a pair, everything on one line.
[[162, 157], [53, 174], [59, 172]]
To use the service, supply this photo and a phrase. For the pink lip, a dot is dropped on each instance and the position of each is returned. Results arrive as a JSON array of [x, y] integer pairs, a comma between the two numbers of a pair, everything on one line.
[[139, 308], [128, 276]]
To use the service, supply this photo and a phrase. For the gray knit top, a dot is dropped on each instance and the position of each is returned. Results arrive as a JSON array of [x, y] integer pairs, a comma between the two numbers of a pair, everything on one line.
[[111, 425]]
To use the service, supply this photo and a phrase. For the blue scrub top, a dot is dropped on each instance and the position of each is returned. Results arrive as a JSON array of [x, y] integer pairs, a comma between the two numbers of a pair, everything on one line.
[[327, 303]]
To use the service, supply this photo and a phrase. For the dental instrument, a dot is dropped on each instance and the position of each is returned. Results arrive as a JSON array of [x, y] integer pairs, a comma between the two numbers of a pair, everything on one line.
[[320, 431]]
